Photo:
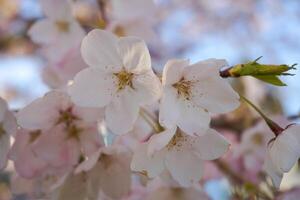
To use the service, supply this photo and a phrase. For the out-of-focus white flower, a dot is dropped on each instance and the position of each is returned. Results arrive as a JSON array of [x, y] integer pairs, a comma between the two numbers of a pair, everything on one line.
[[182, 155], [8, 128], [283, 153], [191, 92], [58, 74], [59, 30], [108, 171], [253, 146], [120, 78]]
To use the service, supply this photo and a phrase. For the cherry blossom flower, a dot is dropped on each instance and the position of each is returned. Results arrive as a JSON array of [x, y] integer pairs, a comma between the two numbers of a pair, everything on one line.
[[283, 153], [182, 155], [120, 78], [253, 146], [8, 128], [55, 108], [191, 92], [59, 30], [69, 131], [108, 171]]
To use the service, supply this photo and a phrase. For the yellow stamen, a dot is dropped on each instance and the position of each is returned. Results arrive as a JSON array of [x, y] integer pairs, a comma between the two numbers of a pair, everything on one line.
[[183, 88], [124, 79]]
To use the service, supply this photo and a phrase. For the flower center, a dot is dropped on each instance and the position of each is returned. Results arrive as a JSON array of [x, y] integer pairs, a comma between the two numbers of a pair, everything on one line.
[[183, 88], [74, 131], [124, 79], [34, 135], [178, 140], [66, 117], [62, 26], [2, 131]]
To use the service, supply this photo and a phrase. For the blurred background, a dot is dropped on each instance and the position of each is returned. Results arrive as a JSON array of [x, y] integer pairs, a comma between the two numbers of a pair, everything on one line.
[[236, 30]]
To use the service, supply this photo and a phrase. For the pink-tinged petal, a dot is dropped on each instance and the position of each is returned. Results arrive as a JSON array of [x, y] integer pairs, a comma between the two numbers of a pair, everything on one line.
[[185, 167], [122, 113], [57, 9], [88, 164], [99, 49], [158, 141], [173, 71], [147, 88], [193, 119], [169, 107], [43, 112], [135, 55], [215, 95], [89, 114], [285, 150], [28, 165], [92, 88], [43, 32], [141, 162], [52, 148], [90, 140], [211, 145], [4, 149], [73, 148], [272, 170], [200, 70]]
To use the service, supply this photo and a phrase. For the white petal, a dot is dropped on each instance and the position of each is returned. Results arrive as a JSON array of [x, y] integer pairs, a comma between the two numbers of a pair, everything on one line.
[[99, 49], [173, 71], [185, 167], [275, 174], [89, 114], [4, 149], [92, 88], [42, 113], [203, 69], [285, 151], [211, 145], [43, 32], [169, 107], [193, 119], [57, 9], [135, 55], [153, 165], [215, 95], [147, 88], [158, 141], [88, 164], [122, 113]]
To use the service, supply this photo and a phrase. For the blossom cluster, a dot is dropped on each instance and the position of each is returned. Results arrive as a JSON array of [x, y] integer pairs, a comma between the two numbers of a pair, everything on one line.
[[112, 123]]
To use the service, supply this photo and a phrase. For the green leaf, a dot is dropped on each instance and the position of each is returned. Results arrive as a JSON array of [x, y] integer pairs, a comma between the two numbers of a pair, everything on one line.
[[271, 79]]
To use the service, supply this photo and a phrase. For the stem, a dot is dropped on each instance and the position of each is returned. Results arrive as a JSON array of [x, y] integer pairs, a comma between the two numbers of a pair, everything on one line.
[[272, 125], [150, 120], [102, 6]]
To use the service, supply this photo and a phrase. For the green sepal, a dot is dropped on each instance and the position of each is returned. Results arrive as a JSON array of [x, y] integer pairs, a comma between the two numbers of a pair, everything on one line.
[[271, 79]]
